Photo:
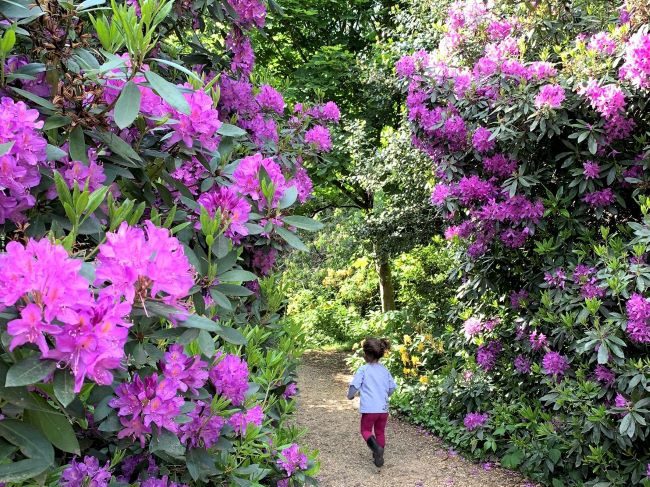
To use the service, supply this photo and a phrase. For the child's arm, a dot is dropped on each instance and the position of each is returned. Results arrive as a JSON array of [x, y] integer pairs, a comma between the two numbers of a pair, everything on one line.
[[357, 381], [391, 385]]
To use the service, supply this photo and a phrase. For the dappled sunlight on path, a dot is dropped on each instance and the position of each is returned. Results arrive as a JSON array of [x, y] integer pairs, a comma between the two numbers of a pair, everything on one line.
[[413, 459]]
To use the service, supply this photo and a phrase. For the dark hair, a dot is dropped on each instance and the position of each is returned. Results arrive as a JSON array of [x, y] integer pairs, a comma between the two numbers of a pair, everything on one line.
[[375, 348]]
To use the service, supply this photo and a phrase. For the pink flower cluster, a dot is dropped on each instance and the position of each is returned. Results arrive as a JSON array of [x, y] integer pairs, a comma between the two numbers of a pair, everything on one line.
[[550, 96], [233, 210], [636, 67], [85, 473], [474, 421], [638, 315], [240, 421], [247, 179], [487, 354], [139, 264], [230, 378], [23, 151], [250, 13], [554, 364], [292, 460], [56, 301], [200, 125]]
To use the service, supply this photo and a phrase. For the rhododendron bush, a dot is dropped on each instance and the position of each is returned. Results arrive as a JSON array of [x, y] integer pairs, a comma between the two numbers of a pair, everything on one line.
[[147, 187], [535, 118]]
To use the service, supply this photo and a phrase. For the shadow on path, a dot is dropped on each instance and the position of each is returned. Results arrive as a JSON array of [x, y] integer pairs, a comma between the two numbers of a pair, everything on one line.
[[412, 459]]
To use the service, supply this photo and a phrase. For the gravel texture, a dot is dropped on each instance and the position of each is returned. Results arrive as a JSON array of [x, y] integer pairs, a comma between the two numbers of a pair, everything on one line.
[[412, 458]]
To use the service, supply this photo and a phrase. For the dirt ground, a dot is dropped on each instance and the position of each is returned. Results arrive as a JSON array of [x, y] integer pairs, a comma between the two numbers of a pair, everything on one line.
[[413, 458]]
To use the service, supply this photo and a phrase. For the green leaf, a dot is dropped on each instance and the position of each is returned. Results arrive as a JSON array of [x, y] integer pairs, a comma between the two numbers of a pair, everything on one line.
[[554, 454], [220, 299], [32, 444], [233, 290], [29, 371], [512, 460], [168, 91], [303, 222], [167, 442], [54, 153], [200, 463], [35, 98], [178, 67], [128, 105], [63, 387], [56, 121], [118, 146], [6, 147], [206, 343], [228, 130], [89, 3], [291, 239], [237, 275], [77, 145], [231, 335], [200, 322], [288, 198], [55, 426]]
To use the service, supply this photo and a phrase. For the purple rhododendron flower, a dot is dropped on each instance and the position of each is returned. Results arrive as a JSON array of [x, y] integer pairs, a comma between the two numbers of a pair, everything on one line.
[[290, 391], [204, 429], [636, 67], [599, 199], [19, 165], [319, 136], [247, 179], [554, 364], [487, 354], [201, 124], [604, 375], [500, 165], [145, 263], [263, 260], [250, 13], [233, 210], [481, 140], [473, 421], [518, 298], [638, 314], [620, 401], [591, 170], [269, 98], [557, 278], [185, 373], [161, 482], [240, 421], [602, 42], [87, 473], [292, 460], [537, 340], [550, 96], [522, 364], [230, 378], [472, 327]]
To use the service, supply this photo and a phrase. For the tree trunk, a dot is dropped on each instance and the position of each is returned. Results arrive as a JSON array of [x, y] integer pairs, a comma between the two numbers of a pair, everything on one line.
[[386, 291]]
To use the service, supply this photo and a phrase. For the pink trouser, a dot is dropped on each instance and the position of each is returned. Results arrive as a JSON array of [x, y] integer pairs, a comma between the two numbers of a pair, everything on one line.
[[376, 422]]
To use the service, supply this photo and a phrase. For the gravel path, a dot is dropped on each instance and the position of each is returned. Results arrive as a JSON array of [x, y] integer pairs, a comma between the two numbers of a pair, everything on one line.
[[412, 458]]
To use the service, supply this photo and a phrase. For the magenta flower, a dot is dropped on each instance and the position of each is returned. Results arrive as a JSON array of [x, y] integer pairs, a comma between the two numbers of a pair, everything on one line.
[[30, 328], [240, 421], [636, 68], [541, 70], [518, 298], [230, 378], [247, 179], [201, 124], [487, 354], [143, 264], [290, 391], [87, 473], [250, 13], [264, 260], [19, 166], [481, 140], [621, 402], [522, 364], [599, 199], [554, 364], [472, 327], [319, 136], [303, 184], [204, 429], [474, 421], [638, 314], [537, 340], [292, 460], [550, 96], [602, 42], [500, 165], [591, 170], [604, 375], [270, 99], [233, 210], [185, 373]]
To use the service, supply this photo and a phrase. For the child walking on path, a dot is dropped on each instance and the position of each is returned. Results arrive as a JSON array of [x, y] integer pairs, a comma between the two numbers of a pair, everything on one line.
[[375, 384]]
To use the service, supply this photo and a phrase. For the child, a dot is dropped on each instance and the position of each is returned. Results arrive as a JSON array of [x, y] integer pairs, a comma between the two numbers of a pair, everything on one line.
[[375, 384]]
